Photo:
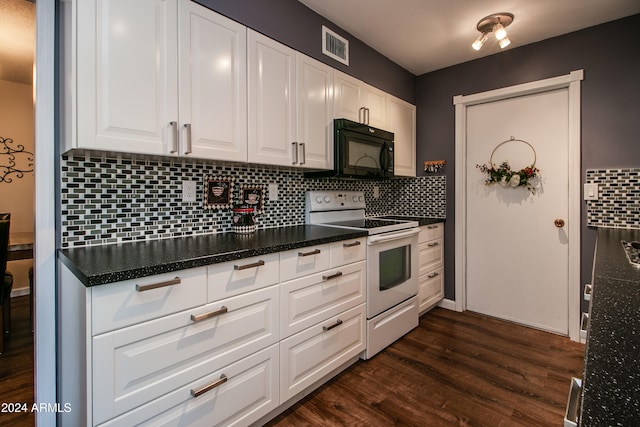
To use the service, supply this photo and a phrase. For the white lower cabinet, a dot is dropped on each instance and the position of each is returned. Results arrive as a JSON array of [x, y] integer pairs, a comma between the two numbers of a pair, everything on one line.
[[134, 365], [235, 395], [308, 356], [431, 269]]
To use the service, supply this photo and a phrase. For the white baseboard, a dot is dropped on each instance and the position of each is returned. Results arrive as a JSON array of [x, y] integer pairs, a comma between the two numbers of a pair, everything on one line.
[[448, 304], [19, 292]]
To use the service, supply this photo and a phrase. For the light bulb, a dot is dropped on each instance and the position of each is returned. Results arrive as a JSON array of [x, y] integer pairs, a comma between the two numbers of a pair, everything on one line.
[[504, 42], [499, 31], [480, 41]]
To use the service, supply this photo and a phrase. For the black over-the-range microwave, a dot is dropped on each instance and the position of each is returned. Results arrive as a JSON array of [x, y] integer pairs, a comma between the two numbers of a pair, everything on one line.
[[360, 151]]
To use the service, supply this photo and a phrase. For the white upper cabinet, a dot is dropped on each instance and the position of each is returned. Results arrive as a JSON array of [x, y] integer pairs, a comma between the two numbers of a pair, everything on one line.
[[272, 89], [290, 106], [358, 101], [315, 113], [160, 77], [213, 75], [401, 120]]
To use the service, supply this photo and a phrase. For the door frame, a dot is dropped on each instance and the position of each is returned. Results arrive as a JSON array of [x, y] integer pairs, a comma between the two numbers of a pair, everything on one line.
[[572, 82]]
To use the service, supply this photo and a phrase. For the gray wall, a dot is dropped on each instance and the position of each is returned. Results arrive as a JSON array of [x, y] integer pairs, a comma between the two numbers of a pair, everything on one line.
[[297, 26], [607, 53]]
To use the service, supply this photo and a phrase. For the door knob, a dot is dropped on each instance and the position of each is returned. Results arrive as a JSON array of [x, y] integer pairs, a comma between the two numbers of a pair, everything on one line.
[[559, 223]]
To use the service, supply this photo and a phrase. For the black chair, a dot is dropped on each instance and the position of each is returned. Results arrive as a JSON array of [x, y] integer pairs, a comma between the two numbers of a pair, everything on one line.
[[5, 293]]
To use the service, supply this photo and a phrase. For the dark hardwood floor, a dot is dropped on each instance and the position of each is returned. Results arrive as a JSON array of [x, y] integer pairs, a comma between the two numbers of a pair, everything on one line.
[[16, 368], [460, 369]]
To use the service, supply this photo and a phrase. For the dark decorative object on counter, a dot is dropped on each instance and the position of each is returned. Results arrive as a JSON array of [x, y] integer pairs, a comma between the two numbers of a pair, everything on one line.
[[243, 219], [218, 192], [8, 163]]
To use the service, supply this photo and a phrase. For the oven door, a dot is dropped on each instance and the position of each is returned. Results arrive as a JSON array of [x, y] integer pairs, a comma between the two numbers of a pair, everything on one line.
[[392, 269]]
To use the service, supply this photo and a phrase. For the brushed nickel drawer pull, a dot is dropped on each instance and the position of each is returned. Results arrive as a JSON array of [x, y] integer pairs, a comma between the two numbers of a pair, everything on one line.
[[174, 133], [431, 245], [142, 288], [246, 266], [350, 245], [200, 317], [432, 275], [189, 147], [328, 328], [302, 254], [216, 383], [333, 276]]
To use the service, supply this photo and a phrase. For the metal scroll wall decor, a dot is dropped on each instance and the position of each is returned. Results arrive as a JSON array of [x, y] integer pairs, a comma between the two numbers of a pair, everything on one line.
[[15, 161]]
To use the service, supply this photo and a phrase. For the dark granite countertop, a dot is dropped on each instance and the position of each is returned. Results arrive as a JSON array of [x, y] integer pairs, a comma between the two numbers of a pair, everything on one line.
[[100, 265], [611, 387]]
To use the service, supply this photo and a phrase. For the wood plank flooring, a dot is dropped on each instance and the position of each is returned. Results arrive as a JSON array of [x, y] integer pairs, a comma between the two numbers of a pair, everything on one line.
[[461, 369], [16, 366]]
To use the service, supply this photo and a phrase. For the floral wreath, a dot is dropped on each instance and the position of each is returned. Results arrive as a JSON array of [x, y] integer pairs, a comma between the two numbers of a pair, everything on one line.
[[505, 176]]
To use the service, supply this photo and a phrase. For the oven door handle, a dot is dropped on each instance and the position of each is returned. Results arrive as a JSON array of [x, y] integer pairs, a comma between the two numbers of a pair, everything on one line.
[[387, 237]]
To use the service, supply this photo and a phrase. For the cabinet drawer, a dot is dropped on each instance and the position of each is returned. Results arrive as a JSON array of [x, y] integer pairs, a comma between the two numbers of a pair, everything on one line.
[[235, 277], [430, 289], [313, 353], [431, 232], [133, 301], [431, 255], [134, 365], [348, 251], [311, 299], [249, 393], [303, 261]]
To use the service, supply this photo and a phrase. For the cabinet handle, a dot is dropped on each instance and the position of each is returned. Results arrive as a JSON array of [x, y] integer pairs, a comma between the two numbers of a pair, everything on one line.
[[216, 383], [188, 149], [366, 114], [295, 152], [332, 276], [350, 245], [361, 115], [174, 132], [303, 254], [431, 227], [431, 245], [200, 317], [304, 153], [432, 275], [142, 288], [328, 328], [246, 266]]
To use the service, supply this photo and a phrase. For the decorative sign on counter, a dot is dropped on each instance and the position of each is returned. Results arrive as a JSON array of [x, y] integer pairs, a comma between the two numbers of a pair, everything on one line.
[[253, 195]]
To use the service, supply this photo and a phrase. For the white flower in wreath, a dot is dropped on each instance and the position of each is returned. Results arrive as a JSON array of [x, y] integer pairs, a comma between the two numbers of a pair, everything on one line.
[[515, 180], [504, 181]]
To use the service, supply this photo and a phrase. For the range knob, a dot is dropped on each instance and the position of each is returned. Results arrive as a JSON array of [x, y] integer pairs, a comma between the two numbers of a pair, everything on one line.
[[360, 198], [355, 198], [319, 199], [327, 199]]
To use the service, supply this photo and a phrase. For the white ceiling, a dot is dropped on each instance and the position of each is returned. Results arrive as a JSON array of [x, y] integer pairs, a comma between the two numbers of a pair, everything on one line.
[[427, 35]]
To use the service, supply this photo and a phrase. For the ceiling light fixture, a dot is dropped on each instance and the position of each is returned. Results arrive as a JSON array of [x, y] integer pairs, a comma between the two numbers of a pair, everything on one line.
[[496, 24]]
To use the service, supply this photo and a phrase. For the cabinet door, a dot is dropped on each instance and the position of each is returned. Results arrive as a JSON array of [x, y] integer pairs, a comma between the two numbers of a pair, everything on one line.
[[134, 365], [243, 393], [430, 289], [401, 120], [213, 97], [308, 356], [272, 89], [315, 113], [347, 97], [431, 255], [303, 261], [127, 75], [375, 101]]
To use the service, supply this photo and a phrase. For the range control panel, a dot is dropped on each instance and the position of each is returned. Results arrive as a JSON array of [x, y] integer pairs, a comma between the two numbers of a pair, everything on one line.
[[317, 201]]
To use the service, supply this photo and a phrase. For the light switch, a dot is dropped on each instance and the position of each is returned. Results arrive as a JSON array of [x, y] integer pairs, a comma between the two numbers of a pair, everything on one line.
[[591, 191], [273, 192], [189, 191]]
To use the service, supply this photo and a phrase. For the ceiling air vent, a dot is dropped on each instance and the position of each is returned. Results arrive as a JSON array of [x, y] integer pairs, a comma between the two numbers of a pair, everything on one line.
[[335, 46]]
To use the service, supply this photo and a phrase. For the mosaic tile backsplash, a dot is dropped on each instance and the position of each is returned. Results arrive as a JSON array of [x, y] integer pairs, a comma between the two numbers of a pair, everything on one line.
[[111, 199], [618, 204]]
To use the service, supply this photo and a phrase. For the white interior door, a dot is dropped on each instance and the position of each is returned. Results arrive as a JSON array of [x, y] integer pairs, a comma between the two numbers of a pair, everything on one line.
[[517, 258]]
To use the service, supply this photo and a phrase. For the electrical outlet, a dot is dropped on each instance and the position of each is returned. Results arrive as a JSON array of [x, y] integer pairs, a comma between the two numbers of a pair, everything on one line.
[[189, 191], [591, 191], [273, 192], [376, 192]]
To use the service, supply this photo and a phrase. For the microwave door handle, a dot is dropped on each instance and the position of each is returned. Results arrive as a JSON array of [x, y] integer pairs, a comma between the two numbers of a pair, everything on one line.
[[384, 158]]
